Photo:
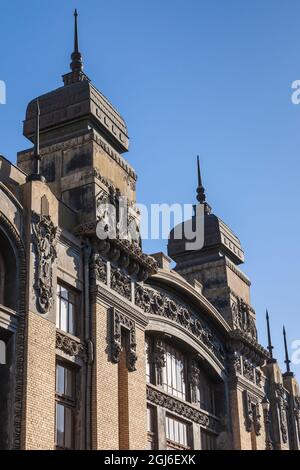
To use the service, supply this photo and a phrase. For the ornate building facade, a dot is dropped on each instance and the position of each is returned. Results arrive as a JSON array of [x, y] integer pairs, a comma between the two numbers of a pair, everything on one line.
[[101, 345]]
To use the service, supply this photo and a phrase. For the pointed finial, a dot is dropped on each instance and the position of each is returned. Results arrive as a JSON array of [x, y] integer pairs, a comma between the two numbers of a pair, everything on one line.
[[270, 347], [76, 64], [200, 190], [76, 32], [287, 359]]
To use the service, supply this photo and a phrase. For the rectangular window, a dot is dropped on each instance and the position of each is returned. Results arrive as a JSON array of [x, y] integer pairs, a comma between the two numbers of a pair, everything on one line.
[[208, 440], [65, 406], [151, 428], [174, 373], [177, 433], [66, 310]]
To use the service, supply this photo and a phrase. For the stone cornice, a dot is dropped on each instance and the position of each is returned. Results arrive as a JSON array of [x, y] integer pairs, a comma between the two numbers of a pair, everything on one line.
[[251, 344]]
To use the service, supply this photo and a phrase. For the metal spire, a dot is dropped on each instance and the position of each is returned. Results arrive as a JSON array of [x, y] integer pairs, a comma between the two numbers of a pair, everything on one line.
[[270, 347], [287, 359], [200, 190], [76, 49], [76, 64]]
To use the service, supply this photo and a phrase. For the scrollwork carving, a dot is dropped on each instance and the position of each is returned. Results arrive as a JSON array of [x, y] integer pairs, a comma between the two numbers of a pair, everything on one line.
[[183, 409], [120, 283], [70, 346], [45, 243]]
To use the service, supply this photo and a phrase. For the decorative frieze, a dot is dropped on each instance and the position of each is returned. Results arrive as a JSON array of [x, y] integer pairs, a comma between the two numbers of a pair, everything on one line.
[[70, 346], [121, 321], [155, 303], [45, 244], [120, 283], [184, 410]]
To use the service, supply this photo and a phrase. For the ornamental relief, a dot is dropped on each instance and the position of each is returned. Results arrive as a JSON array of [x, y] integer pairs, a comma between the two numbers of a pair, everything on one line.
[[44, 241], [119, 322], [120, 283], [282, 404], [252, 413], [244, 367], [155, 303], [99, 268], [297, 413], [243, 319], [70, 346], [174, 405]]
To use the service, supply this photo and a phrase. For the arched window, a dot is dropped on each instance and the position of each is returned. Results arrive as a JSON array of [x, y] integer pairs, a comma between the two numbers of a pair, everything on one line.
[[2, 280]]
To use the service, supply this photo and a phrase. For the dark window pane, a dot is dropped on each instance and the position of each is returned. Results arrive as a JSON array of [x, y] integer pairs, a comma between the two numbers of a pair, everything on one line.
[[60, 379], [60, 425], [68, 428], [69, 383]]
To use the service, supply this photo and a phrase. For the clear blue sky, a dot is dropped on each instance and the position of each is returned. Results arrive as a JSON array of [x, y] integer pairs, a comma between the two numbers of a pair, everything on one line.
[[190, 76]]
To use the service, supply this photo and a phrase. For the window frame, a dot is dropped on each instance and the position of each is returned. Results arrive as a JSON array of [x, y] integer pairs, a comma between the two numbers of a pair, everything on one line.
[[75, 303], [67, 402], [173, 444]]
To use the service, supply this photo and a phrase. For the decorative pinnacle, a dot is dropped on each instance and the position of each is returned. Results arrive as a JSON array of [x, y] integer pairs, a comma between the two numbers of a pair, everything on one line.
[[270, 347], [76, 64], [287, 359], [200, 190]]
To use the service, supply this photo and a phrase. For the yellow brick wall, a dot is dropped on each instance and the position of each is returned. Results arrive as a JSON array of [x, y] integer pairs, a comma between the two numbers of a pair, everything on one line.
[[105, 428], [137, 398], [39, 422], [124, 440]]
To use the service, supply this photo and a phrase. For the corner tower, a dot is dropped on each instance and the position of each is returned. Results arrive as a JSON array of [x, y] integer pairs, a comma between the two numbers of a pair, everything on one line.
[[82, 140], [216, 266]]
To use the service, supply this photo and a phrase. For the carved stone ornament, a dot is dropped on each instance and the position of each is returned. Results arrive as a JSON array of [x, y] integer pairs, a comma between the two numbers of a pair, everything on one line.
[[70, 346], [119, 322], [99, 268], [252, 413], [155, 303], [282, 403], [159, 359], [120, 283], [297, 413], [243, 319], [194, 379], [174, 405], [45, 243]]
